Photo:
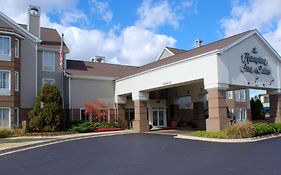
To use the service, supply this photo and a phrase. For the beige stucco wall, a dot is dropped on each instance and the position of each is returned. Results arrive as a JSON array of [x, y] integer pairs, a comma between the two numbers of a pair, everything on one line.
[[82, 90]]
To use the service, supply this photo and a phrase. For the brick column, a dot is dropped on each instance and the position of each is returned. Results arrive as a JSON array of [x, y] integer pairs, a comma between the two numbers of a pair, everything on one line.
[[275, 108], [217, 110], [140, 124], [121, 116]]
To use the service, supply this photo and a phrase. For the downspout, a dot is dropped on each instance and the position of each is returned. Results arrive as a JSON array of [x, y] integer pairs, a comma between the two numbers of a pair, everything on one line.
[[69, 97], [36, 70]]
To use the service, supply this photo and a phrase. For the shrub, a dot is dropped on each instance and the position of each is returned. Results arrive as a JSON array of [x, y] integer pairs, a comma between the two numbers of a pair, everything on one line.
[[240, 130], [220, 134], [264, 128], [87, 126], [6, 133], [276, 126], [47, 113]]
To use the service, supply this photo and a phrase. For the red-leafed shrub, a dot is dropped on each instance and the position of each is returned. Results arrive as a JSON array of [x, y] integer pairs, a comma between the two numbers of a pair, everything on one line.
[[97, 109]]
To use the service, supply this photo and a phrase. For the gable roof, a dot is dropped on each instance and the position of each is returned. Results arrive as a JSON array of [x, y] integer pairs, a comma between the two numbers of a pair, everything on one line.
[[19, 28], [87, 68], [249, 35], [50, 38], [215, 46], [175, 51]]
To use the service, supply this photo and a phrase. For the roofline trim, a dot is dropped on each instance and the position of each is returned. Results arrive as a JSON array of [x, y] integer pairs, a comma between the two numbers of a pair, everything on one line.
[[18, 27], [167, 65], [222, 50], [12, 33], [90, 77], [52, 49], [163, 52]]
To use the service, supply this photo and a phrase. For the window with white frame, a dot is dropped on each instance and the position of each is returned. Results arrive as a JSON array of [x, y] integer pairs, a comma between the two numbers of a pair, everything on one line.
[[5, 48], [17, 48], [229, 95], [241, 114], [240, 95], [5, 82], [17, 82], [17, 117], [49, 81], [49, 61], [5, 117]]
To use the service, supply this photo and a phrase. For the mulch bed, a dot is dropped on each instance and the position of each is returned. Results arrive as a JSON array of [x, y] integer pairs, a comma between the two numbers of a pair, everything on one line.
[[107, 129]]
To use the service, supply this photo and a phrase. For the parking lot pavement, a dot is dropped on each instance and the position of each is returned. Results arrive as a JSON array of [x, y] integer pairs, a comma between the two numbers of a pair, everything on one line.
[[140, 154]]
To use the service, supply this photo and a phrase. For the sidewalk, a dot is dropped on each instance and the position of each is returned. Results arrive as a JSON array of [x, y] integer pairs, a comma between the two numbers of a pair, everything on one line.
[[14, 143]]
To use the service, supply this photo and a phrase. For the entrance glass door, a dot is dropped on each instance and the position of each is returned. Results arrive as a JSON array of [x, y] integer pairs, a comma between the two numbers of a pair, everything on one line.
[[158, 118]]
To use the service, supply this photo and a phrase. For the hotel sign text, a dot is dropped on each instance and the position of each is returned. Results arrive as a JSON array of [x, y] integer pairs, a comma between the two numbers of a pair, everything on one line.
[[254, 64]]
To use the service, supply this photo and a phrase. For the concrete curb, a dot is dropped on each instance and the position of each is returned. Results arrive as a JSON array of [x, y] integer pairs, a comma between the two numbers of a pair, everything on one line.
[[62, 140], [246, 140]]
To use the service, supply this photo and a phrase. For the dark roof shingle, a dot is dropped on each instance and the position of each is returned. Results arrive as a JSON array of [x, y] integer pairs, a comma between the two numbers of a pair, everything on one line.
[[77, 67], [189, 53]]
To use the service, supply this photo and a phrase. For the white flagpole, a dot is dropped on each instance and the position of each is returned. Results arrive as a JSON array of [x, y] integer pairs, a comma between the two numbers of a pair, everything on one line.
[[62, 78]]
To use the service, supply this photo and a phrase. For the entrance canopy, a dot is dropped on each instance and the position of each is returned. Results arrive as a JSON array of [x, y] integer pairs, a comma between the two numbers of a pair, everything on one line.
[[245, 60]]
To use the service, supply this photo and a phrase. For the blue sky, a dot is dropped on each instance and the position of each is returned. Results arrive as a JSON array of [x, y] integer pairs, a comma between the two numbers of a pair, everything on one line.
[[134, 32]]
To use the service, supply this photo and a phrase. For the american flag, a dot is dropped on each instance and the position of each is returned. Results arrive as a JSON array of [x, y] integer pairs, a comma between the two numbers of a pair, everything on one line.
[[61, 53]]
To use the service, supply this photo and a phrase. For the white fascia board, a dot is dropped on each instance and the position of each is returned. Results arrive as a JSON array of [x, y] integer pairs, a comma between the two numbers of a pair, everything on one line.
[[20, 28], [167, 65], [12, 33], [90, 77], [229, 46], [222, 50]]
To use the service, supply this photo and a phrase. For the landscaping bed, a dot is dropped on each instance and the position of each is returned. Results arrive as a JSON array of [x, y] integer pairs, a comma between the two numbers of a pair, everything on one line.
[[86, 127], [243, 130]]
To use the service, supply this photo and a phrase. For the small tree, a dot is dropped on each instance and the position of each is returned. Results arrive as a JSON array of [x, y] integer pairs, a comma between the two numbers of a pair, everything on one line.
[[257, 110], [47, 113], [96, 109]]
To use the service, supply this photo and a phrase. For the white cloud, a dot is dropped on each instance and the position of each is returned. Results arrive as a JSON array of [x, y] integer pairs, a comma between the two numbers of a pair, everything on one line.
[[262, 15], [134, 45], [102, 9], [153, 15], [73, 17]]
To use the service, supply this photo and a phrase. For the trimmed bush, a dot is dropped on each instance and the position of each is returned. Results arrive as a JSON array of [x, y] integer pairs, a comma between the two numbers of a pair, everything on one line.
[[9, 132], [6, 133], [87, 126], [47, 113], [240, 130], [264, 129], [220, 134]]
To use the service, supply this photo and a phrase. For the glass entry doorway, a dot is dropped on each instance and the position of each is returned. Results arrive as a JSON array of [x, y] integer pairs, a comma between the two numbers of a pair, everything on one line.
[[159, 118]]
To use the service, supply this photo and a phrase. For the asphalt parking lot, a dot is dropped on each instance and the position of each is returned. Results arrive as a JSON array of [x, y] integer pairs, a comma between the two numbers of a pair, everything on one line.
[[141, 154]]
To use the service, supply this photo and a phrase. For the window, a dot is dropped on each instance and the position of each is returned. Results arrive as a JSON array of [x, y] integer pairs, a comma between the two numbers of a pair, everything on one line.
[[230, 113], [17, 117], [229, 95], [4, 82], [83, 115], [17, 85], [48, 61], [240, 95], [241, 114], [266, 99], [5, 48], [17, 48], [130, 116], [5, 118], [49, 81]]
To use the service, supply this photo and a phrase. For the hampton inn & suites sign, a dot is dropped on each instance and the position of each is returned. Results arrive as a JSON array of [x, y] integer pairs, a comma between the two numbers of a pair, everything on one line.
[[254, 64]]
